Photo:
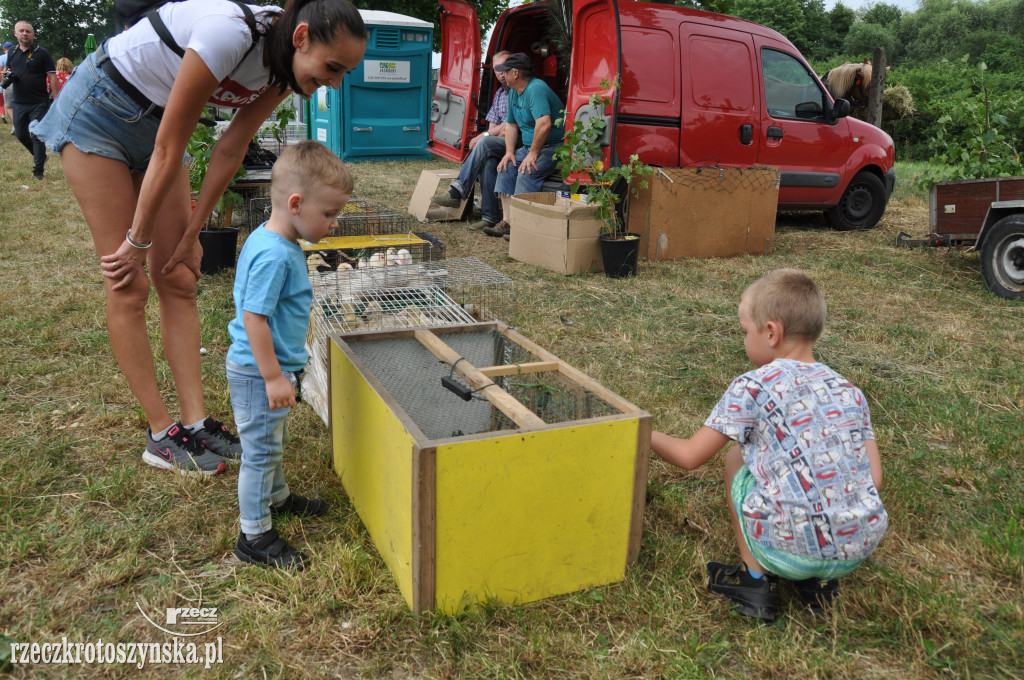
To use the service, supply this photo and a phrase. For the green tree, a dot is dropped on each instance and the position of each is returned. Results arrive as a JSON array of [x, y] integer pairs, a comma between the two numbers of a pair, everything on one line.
[[61, 25], [882, 14], [785, 16], [863, 38]]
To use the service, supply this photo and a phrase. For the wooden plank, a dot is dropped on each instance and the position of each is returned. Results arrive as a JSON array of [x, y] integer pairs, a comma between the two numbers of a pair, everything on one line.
[[519, 369], [502, 400], [599, 390], [636, 519], [424, 528]]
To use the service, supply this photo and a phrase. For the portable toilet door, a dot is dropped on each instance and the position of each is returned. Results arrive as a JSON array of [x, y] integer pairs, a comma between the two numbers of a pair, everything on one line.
[[385, 101], [325, 118]]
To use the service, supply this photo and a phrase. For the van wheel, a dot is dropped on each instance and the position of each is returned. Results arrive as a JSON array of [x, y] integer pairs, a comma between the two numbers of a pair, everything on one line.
[[862, 204], [1002, 258]]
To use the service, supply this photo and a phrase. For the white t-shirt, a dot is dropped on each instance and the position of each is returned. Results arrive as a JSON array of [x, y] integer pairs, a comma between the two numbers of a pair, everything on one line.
[[215, 30]]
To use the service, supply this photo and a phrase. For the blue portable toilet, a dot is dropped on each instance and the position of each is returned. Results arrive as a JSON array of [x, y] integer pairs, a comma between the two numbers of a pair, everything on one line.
[[382, 110]]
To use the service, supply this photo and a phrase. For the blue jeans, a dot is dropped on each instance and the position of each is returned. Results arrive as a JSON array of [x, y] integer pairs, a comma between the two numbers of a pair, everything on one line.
[[482, 162], [513, 182], [264, 434]]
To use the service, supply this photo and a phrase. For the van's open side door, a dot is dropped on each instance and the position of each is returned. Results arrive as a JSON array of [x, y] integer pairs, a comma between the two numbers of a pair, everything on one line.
[[596, 56], [453, 110]]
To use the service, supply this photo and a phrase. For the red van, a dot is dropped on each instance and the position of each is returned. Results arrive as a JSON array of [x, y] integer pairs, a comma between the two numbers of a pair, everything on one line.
[[695, 88]]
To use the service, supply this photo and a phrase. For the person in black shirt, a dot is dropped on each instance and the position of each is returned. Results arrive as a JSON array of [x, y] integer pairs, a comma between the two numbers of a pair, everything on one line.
[[31, 67]]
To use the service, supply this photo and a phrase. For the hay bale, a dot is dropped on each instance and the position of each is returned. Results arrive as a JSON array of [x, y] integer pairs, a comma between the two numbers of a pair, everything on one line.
[[897, 103]]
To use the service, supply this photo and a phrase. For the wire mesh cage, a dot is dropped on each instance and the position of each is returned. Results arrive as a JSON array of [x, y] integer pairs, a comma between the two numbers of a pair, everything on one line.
[[292, 134], [427, 294], [416, 379], [332, 256], [361, 218]]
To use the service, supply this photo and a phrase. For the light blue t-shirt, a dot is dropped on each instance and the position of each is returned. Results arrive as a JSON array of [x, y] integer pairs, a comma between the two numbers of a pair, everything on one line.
[[536, 100], [271, 279]]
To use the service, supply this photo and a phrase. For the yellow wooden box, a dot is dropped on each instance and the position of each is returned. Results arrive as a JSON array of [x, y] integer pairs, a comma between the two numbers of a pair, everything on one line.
[[479, 499]]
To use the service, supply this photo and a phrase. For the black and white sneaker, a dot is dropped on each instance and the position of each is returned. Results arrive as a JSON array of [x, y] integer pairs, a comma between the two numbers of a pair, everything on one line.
[[756, 597], [218, 439], [178, 451]]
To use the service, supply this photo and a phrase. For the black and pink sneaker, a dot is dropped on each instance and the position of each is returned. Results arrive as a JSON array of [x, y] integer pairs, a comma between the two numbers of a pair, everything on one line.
[[180, 452]]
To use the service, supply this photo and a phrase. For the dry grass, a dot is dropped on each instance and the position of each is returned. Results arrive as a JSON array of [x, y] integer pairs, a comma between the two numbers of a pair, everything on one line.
[[87, 530]]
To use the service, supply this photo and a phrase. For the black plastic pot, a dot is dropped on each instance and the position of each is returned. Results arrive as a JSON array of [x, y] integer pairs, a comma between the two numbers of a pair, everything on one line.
[[220, 244], [620, 252]]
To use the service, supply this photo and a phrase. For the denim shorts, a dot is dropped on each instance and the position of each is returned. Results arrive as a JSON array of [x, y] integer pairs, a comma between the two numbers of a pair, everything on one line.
[[95, 115]]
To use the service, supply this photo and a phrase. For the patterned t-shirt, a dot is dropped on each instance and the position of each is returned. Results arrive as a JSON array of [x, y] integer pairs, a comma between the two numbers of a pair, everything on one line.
[[801, 429]]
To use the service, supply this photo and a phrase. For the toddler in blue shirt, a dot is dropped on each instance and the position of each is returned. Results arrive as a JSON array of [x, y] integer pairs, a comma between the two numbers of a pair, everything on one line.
[[309, 187]]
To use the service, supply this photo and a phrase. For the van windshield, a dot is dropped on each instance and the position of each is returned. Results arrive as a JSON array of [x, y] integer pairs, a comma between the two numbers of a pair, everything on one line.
[[790, 90]]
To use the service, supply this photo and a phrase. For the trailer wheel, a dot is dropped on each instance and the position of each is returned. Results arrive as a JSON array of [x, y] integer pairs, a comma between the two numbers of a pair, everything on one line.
[[1002, 258], [862, 203]]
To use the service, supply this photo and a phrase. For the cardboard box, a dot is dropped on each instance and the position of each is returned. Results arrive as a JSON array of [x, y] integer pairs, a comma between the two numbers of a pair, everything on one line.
[[421, 207], [536, 490], [706, 212], [559, 234]]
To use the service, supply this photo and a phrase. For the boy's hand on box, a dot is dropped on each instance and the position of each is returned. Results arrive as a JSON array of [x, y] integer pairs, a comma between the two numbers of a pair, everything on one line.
[[280, 392]]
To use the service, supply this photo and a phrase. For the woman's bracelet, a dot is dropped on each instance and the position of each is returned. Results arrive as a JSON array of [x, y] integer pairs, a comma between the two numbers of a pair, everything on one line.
[[135, 244]]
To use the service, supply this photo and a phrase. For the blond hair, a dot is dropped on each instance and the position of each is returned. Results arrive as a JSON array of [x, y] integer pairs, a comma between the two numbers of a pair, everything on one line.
[[788, 297], [64, 65], [307, 166]]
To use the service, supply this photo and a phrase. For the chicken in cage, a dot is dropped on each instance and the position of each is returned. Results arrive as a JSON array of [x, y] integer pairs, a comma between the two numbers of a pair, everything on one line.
[[346, 253]]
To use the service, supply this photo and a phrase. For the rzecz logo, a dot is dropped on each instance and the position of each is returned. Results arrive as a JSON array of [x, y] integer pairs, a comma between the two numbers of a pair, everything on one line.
[[186, 621]]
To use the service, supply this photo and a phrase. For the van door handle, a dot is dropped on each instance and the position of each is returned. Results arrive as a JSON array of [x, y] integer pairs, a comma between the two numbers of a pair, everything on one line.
[[774, 132], [406, 128], [746, 134], [365, 129]]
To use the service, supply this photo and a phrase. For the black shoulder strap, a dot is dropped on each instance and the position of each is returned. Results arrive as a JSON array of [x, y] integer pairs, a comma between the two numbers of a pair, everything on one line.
[[165, 34]]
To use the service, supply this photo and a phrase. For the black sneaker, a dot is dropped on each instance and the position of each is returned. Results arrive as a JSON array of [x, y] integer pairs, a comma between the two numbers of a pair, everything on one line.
[[37, 175], [178, 451], [301, 506], [218, 439], [817, 593], [756, 597], [270, 550]]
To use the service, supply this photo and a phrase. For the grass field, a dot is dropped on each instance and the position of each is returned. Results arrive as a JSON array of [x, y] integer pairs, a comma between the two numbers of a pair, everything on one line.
[[90, 536]]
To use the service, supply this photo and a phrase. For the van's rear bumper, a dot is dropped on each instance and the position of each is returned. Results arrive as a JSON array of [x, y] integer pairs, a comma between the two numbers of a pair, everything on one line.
[[890, 182]]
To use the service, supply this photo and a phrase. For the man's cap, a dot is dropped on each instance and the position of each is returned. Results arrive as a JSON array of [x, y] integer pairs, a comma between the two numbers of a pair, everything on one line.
[[8, 45], [517, 61]]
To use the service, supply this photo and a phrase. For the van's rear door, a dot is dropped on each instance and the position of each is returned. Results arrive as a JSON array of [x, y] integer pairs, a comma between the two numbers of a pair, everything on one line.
[[595, 57], [453, 110]]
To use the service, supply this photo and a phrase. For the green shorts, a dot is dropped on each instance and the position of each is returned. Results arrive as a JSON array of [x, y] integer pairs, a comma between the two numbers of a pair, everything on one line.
[[784, 564]]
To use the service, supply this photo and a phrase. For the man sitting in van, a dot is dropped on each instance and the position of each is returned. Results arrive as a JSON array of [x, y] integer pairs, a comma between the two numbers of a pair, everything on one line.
[[486, 149], [533, 108]]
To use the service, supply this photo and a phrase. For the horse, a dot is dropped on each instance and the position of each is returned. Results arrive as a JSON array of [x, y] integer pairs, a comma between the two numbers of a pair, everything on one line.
[[850, 81]]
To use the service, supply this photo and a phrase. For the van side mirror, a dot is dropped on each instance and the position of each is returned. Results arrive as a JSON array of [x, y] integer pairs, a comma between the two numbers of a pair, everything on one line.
[[841, 109]]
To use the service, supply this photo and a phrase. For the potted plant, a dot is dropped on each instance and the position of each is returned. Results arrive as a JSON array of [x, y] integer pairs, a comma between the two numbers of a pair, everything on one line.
[[219, 240], [580, 159]]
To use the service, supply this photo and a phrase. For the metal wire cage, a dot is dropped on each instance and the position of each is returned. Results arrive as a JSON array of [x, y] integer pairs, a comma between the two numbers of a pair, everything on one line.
[[331, 257], [443, 404], [427, 294], [292, 134], [361, 218]]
